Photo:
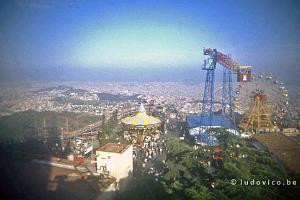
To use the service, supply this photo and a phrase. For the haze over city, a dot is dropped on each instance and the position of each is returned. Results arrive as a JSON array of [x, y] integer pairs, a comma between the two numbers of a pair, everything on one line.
[[162, 40]]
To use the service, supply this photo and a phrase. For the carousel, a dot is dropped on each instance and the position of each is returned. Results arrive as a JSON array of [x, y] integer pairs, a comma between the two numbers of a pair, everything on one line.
[[140, 126]]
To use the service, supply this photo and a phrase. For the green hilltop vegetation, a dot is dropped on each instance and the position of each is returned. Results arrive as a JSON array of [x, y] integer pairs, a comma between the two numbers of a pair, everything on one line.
[[14, 128], [195, 174]]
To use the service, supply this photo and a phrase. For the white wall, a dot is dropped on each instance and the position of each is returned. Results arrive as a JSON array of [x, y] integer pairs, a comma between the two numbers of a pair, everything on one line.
[[119, 165]]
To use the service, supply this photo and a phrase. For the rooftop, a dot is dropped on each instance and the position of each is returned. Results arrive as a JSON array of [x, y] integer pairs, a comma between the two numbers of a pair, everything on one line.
[[114, 148], [198, 120], [284, 147]]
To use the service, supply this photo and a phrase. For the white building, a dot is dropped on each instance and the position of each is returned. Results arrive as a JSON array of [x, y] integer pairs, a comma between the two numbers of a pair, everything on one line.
[[115, 160]]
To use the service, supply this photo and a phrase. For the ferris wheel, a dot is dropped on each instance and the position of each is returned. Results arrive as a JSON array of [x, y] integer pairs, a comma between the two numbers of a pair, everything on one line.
[[277, 96]]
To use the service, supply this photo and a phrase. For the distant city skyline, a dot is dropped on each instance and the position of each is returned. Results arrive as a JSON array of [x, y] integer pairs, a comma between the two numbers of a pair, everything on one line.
[[155, 39]]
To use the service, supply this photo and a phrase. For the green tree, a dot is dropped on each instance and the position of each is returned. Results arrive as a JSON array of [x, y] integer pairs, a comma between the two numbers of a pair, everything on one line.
[[190, 172]]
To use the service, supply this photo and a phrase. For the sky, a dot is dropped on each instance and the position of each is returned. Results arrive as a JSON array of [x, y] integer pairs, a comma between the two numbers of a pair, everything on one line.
[[159, 40]]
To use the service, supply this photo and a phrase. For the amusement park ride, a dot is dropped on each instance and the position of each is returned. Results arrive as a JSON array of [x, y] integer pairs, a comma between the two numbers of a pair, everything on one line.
[[230, 67], [259, 117]]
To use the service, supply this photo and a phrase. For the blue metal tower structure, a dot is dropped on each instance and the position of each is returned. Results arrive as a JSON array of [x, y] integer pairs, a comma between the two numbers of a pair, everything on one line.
[[209, 118], [229, 66], [208, 98], [227, 96]]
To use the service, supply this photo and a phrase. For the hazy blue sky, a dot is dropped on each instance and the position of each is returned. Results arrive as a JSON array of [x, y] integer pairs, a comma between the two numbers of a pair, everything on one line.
[[159, 35]]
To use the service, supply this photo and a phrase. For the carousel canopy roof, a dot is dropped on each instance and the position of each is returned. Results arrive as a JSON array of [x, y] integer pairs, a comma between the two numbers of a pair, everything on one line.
[[141, 119]]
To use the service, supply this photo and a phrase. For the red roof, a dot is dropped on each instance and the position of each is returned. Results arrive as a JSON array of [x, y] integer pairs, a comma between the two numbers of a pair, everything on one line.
[[218, 149]]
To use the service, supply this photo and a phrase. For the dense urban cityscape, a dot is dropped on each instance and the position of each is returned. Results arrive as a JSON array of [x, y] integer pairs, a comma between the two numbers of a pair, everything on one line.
[[103, 98]]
